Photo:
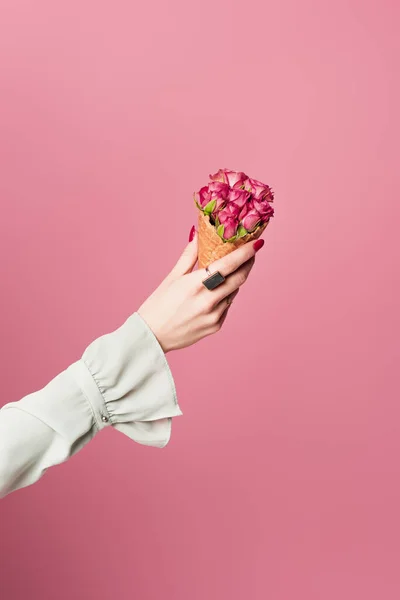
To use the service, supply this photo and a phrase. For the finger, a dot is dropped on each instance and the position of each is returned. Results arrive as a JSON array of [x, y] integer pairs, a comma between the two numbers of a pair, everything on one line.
[[224, 305], [223, 318], [233, 282], [187, 259], [216, 320], [231, 262], [225, 314]]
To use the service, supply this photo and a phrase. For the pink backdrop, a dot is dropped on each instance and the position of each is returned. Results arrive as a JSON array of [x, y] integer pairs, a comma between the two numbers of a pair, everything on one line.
[[284, 481]]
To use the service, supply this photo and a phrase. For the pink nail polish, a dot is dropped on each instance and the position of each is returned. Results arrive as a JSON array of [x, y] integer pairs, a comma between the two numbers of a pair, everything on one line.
[[191, 234], [258, 244]]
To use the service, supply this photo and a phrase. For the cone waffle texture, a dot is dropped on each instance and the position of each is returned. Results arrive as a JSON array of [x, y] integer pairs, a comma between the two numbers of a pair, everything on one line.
[[211, 247]]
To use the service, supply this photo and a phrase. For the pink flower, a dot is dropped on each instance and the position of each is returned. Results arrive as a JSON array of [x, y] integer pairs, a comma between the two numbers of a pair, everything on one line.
[[235, 203], [251, 220], [259, 190], [246, 208], [238, 197], [203, 197], [228, 217], [230, 210], [219, 176], [235, 178], [264, 208], [219, 193], [230, 228], [219, 189], [232, 178]]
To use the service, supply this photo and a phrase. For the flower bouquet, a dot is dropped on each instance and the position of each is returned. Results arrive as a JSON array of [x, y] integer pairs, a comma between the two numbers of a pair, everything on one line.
[[233, 209]]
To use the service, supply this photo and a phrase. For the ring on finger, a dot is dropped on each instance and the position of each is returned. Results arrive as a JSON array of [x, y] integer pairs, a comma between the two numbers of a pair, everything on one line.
[[213, 280]]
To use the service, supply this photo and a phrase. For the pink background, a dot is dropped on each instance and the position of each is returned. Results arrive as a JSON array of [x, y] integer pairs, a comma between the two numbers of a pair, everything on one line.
[[283, 482]]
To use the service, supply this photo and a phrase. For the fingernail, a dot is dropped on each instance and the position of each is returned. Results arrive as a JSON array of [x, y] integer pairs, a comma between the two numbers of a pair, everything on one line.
[[258, 244], [191, 234]]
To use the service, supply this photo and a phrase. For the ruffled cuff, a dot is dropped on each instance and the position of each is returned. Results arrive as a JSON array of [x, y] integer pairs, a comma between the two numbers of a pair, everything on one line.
[[130, 385]]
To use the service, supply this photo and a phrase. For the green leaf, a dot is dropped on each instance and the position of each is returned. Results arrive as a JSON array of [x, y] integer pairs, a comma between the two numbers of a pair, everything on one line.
[[209, 207], [241, 232], [220, 231]]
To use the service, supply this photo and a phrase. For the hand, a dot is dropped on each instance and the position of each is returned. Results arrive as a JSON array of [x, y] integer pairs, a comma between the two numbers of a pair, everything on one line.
[[182, 311]]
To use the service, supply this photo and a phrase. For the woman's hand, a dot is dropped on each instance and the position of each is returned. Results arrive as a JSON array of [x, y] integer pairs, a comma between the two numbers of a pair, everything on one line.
[[182, 311]]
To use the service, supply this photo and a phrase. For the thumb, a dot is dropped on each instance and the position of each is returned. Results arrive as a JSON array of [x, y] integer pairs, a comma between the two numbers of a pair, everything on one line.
[[188, 257]]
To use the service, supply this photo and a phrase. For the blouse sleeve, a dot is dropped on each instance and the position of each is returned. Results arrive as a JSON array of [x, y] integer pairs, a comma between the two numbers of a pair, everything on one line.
[[122, 380]]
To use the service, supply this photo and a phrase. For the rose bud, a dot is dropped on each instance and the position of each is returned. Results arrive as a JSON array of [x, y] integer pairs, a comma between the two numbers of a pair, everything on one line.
[[251, 220], [259, 190], [238, 197], [264, 208], [219, 176], [232, 178], [203, 197], [235, 178], [228, 219], [220, 189], [229, 228], [230, 210], [246, 208], [219, 192]]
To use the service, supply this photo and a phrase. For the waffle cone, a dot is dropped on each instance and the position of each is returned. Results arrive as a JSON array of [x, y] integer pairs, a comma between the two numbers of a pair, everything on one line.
[[211, 247]]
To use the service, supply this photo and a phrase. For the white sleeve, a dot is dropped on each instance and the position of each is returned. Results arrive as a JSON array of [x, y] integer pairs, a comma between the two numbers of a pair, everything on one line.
[[122, 380]]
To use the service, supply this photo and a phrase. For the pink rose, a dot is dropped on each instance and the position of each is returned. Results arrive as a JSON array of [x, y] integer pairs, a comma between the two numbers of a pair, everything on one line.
[[219, 189], [232, 178], [251, 220], [230, 228], [219, 193], [230, 210], [235, 178], [258, 189], [238, 197], [264, 208], [228, 217], [246, 208], [219, 176], [203, 197]]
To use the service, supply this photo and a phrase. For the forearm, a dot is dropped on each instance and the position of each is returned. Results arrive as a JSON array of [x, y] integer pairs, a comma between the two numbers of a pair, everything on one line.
[[122, 380]]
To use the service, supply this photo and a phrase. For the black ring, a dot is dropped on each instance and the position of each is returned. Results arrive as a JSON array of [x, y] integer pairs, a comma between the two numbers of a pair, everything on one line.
[[214, 280]]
